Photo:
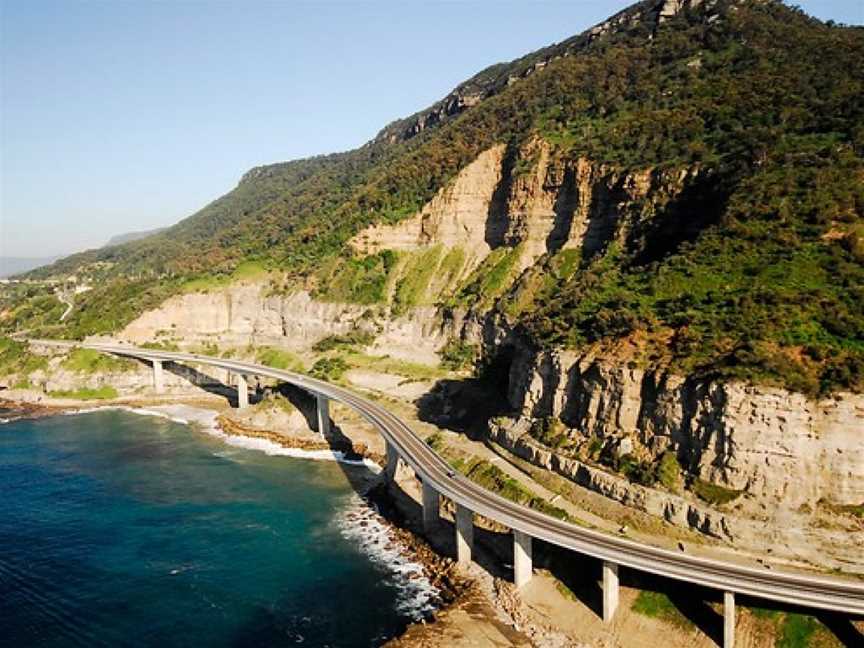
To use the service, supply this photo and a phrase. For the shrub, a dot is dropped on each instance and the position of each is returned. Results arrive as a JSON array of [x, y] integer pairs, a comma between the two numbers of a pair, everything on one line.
[[457, 355], [331, 369], [669, 471], [353, 339], [712, 493], [278, 359]]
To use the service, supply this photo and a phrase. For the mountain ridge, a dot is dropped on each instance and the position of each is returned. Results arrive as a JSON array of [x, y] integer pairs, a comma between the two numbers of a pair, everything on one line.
[[769, 137]]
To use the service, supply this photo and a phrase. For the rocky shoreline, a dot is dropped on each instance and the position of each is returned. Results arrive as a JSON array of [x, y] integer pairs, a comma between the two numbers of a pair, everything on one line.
[[17, 410]]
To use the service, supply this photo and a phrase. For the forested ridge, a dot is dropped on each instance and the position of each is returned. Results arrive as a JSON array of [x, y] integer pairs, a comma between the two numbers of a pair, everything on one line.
[[766, 279]]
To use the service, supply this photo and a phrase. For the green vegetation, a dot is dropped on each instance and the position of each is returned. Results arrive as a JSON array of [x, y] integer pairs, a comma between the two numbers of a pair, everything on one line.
[[355, 338], [164, 345], [394, 366], [565, 591], [452, 265], [245, 271], [855, 510], [278, 359], [88, 361], [491, 278], [278, 401], [492, 478], [796, 631], [637, 471], [712, 493], [551, 432], [411, 290], [17, 359], [457, 355], [358, 281], [29, 306], [669, 471], [657, 605], [790, 630], [330, 369], [206, 348], [753, 271], [86, 393]]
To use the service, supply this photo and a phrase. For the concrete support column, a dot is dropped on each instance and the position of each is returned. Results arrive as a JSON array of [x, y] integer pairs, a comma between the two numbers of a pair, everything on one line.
[[522, 560], [728, 619], [392, 461], [464, 534], [431, 507], [610, 590], [323, 415], [158, 378], [242, 392], [396, 470]]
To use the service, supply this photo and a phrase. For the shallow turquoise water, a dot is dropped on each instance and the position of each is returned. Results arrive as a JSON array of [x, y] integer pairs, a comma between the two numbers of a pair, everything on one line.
[[120, 529]]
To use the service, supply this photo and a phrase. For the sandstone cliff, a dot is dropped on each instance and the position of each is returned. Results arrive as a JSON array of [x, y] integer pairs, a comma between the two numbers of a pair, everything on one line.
[[767, 442]]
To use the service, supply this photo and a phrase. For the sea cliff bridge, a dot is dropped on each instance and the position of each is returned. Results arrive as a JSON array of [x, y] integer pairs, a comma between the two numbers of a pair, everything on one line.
[[438, 479]]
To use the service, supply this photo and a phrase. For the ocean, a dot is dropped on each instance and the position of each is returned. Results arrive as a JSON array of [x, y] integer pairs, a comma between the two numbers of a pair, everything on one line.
[[123, 529]]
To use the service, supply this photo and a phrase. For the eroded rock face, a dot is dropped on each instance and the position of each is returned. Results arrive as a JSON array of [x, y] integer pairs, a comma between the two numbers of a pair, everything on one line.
[[458, 216], [534, 198], [771, 443], [248, 313], [668, 506]]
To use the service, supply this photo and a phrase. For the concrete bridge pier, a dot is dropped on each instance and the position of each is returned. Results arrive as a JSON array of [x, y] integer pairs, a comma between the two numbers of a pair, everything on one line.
[[242, 392], [396, 469], [728, 619], [610, 590], [464, 534], [158, 377], [522, 558], [431, 507], [323, 415]]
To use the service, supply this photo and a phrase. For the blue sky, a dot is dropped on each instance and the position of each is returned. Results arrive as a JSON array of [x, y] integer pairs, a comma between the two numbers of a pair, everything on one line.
[[120, 116]]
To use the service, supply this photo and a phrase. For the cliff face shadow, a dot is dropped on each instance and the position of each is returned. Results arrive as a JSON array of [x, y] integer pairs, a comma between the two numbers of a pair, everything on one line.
[[496, 217], [463, 406], [466, 405], [564, 209]]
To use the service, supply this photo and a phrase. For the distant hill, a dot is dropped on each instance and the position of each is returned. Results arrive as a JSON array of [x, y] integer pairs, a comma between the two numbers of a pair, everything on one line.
[[684, 181], [15, 265], [132, 236]]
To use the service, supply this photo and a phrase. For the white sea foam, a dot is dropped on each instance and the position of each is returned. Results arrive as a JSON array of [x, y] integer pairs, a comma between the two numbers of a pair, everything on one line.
[[274, 449], [359, 522], [206, 419]]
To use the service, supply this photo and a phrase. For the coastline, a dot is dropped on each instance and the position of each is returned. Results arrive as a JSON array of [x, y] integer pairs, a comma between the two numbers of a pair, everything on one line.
[[406, 553]]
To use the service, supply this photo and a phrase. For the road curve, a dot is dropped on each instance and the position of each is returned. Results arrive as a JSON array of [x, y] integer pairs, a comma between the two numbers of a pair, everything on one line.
[[814, 591]]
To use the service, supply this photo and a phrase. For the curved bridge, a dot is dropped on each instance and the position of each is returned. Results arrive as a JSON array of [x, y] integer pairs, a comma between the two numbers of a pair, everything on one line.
[[438, 479]]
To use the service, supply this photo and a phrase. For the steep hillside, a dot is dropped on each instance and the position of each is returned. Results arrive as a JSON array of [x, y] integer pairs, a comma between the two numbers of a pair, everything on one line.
[[682, 185]]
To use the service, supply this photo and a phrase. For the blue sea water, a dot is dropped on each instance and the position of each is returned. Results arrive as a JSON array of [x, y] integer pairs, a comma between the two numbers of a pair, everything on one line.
[[125, 530]]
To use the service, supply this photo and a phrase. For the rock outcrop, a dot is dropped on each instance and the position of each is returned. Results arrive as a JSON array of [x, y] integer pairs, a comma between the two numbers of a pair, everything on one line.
[[248, 313], [773, 444]]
